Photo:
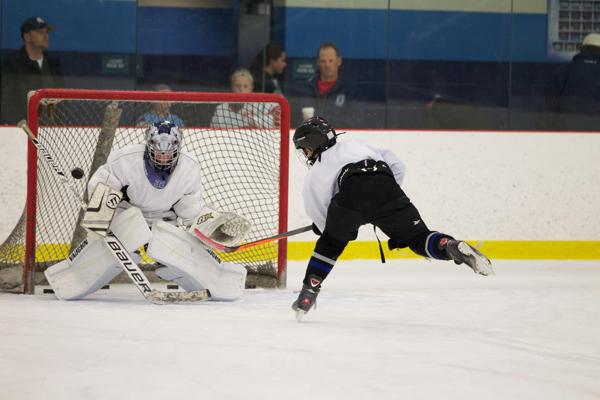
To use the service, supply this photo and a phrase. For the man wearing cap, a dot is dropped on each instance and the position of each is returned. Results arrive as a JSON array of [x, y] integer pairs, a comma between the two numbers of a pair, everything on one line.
[[29, 69], [574, 94]]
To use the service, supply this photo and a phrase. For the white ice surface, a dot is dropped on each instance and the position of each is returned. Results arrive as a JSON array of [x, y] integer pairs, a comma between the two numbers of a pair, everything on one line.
[[407, 329]]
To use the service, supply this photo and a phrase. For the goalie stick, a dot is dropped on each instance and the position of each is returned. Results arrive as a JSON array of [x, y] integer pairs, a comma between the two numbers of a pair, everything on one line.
[[51, 162], [115, 246], [141, 281], [230, 249]]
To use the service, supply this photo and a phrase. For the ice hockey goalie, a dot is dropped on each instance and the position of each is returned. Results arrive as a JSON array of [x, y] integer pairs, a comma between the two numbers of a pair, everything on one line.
[[162, 199]]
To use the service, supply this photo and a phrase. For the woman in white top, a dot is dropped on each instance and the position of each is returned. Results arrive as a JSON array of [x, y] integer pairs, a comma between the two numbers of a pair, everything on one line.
[[244, 115]]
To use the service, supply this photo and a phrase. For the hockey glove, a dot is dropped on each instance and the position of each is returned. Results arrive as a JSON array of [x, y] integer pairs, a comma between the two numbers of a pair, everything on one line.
[[227, 228], [316, 230]]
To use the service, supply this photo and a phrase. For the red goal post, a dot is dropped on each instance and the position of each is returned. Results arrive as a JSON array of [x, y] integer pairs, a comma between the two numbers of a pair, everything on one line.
[[244, 157]]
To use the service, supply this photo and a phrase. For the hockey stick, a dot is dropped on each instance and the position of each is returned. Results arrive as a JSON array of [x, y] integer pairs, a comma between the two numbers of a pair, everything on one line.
[[141, 281], [51, 163], [230, 249], [115, 246]]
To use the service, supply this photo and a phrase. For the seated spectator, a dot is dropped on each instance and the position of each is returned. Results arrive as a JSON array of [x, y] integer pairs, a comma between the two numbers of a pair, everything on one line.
[[160, 111], [30, 69], [267, 69], [245, 115], [327, 92]]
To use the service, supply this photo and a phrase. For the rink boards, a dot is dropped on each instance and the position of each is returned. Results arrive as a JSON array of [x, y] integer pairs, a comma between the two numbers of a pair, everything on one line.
[[522, 194]]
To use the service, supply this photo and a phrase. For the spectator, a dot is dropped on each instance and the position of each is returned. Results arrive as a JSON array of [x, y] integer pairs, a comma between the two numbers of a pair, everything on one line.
[[327, 91], [574, 95], [161, 111], [244, 115], [267, 69], [28, 70]]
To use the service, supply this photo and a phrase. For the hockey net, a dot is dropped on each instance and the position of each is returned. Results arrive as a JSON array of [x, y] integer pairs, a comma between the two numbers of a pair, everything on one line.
[[240, 140]]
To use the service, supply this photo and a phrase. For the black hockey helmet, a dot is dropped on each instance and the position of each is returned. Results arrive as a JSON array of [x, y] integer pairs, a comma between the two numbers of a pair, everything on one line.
[[313, 137]]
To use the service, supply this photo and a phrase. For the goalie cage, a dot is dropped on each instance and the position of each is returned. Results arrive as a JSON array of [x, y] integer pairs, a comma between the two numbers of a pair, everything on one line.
[[244, 165]]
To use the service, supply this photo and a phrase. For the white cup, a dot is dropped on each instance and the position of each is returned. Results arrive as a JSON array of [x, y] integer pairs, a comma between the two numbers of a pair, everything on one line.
[[308, 112]]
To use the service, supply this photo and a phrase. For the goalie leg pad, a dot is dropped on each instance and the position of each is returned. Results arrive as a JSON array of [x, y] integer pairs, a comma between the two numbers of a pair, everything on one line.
[[188, 263], [89, 267], [177, 276], [130, 227], [231, 282]]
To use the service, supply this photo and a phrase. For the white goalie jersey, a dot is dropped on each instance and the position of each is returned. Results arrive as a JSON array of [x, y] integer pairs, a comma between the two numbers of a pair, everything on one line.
[[180, 197]]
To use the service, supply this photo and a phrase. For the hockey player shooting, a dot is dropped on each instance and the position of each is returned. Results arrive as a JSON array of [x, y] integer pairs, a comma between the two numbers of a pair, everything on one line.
[[162, 203], [351, 184]]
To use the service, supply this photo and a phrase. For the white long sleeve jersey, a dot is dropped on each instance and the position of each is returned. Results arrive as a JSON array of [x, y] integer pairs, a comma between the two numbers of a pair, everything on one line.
[[251, 115], [320, 184], [181, 197]]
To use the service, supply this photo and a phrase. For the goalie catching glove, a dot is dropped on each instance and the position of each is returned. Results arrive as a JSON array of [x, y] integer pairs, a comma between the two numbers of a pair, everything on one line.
[[223, 227]]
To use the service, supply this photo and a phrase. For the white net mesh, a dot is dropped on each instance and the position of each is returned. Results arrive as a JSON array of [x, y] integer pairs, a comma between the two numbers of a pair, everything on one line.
[[240, 160]]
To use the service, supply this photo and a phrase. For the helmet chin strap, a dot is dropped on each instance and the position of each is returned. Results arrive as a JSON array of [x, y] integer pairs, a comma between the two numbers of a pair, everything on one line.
[[331, 135], [335, 134]]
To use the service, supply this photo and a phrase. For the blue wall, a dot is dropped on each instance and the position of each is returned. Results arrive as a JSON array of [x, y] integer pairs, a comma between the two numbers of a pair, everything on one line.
[[417, 35], [191, 31], [122, 27], [81, 25]]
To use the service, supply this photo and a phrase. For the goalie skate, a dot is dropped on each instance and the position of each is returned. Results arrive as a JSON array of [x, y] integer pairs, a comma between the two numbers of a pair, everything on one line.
[[462, 252]]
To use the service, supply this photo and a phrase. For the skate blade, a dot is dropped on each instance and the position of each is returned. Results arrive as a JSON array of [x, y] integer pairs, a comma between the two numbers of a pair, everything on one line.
[[483, 266], [299, 315]]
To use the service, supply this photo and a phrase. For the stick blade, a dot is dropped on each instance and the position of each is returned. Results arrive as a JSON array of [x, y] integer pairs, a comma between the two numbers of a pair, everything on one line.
[[157, 297], [212, 244]]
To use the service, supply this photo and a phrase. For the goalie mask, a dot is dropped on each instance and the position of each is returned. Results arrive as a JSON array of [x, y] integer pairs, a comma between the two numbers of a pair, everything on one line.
[[313, 137], [163, 143]]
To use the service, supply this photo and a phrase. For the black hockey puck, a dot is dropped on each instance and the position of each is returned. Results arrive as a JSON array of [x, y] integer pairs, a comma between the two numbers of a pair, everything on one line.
[[77, 173], [48, 291], [173, 287], [106, 287]]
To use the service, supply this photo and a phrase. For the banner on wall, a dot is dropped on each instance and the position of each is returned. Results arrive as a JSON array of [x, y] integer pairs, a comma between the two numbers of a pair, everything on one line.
[[303, 69], [115, 64], [569, 21]]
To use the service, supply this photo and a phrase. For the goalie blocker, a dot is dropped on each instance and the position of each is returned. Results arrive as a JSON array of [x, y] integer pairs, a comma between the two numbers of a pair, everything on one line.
[[101, 209]]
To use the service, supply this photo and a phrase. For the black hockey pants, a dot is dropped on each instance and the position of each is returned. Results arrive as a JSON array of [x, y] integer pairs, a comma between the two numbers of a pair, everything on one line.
[[377, 199]]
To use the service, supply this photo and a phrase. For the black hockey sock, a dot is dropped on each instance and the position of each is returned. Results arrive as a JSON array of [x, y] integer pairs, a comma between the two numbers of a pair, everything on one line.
[[431, 245], [327, 250], [436, 245], [318, 268]]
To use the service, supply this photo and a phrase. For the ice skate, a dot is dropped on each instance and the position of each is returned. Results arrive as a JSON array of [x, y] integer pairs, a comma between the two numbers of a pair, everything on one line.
[[305, 301], [462, 252], [307, 298]]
